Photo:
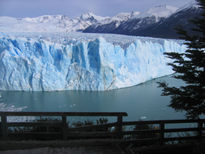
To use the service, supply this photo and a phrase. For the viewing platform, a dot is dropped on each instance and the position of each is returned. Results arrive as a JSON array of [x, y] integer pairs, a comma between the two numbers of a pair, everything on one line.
[[53, 129]]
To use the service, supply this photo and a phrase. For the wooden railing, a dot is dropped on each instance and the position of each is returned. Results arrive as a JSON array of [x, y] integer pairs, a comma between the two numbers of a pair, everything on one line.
[[161, 132], [62, 132], [143, 131]]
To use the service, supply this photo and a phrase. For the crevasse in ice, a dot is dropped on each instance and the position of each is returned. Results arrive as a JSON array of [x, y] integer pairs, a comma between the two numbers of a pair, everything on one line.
[[77, 61]]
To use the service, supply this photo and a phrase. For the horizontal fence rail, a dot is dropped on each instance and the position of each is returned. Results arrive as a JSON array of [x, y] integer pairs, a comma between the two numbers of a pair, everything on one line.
[[54, 129], [160, 131], [114, 114], [142, 131]]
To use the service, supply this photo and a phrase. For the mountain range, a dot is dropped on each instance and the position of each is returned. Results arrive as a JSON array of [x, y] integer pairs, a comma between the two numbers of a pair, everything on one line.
[[159, 21]]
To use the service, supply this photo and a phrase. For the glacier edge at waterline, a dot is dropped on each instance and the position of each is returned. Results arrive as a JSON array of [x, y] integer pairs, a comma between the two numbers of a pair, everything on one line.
[[77, 61]]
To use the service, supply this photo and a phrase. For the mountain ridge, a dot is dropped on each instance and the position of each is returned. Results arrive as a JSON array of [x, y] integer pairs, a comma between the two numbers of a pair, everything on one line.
[[155, 22], [152, 26]]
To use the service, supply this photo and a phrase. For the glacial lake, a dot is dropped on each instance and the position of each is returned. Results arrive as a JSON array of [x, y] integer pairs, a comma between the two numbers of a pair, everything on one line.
[[142, 101]]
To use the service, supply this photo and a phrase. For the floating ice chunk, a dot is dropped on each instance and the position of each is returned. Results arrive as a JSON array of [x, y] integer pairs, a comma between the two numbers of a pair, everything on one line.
[[143, 118]]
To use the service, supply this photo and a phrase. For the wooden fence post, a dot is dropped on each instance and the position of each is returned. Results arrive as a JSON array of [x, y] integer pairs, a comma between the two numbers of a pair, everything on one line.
[[119, 126], [200, 127], [162, 133], [4, 128], [64, 124]]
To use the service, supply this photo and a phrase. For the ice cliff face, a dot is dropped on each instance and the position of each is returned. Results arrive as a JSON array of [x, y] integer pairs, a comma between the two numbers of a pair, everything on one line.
[[46, 62]]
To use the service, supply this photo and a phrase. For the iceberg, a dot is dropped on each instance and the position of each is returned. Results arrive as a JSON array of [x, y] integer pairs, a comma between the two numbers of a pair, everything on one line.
[[78, 61]]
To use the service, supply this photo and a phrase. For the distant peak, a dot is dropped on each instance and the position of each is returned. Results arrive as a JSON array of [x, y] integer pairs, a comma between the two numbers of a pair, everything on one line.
[[191, 5], [122, 16], [162, 10], [159, 11], [134, 13], [87, 15], [90, 15], [125, 15]]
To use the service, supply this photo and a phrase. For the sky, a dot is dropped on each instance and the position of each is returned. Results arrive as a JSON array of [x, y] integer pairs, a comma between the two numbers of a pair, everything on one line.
[[74, 8]]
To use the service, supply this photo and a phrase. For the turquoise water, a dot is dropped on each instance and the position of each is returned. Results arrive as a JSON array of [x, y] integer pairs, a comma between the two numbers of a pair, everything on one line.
[[143, 101]]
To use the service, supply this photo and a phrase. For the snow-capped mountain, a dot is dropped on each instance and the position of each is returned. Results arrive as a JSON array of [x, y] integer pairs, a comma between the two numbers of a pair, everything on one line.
[[159, 21], [91, 17], [132, 21], [160, 11], [166, 28], [57, 23], [48, 23], [62, 23]]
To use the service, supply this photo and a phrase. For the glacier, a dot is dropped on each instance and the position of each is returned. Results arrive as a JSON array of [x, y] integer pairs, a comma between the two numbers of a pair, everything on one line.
[[78, 61]]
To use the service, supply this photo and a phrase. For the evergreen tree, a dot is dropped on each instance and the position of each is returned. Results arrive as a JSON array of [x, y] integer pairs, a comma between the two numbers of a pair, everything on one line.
[[189, 67]]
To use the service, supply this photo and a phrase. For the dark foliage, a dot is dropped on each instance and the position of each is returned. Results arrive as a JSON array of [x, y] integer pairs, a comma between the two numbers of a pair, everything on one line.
[[189, 67]]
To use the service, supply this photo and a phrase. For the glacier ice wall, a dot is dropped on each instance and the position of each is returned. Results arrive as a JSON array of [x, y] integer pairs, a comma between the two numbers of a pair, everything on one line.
[[34, 62]]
